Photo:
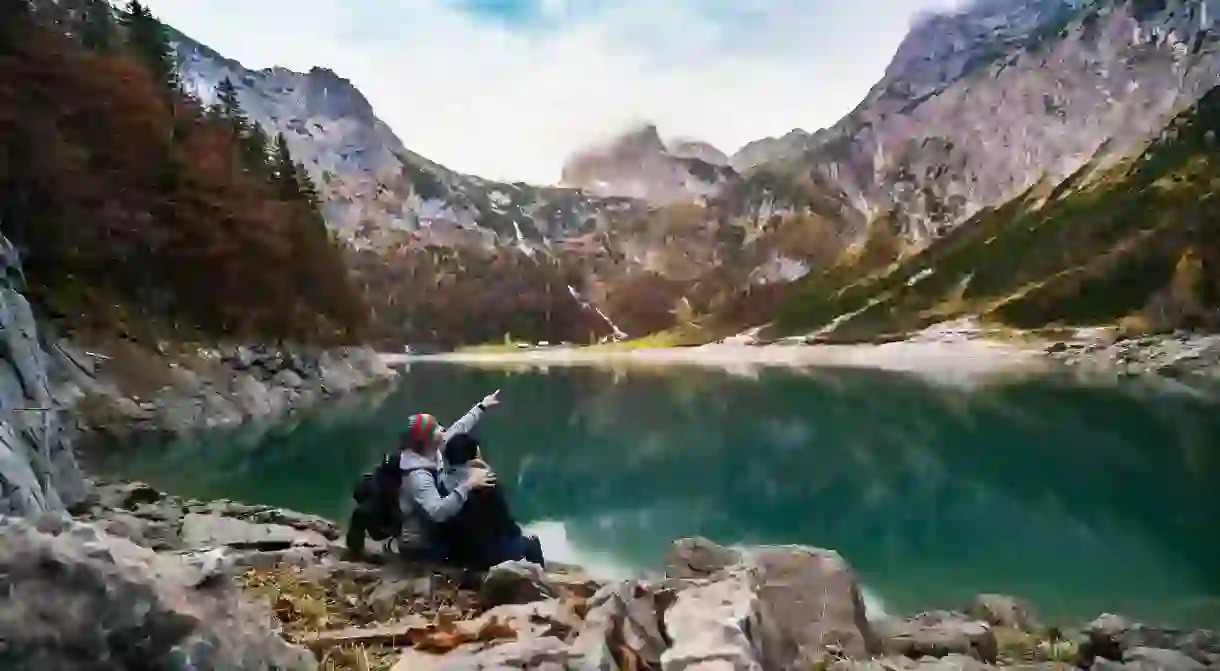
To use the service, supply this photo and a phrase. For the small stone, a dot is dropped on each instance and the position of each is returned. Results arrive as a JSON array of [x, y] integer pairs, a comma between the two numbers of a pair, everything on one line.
[[1002, 610], [288, 378], [388, 593], [698, 558], [515, 582]]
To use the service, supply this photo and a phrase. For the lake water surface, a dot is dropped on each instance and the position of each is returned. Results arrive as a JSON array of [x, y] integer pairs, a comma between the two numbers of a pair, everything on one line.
[[1082, 499]]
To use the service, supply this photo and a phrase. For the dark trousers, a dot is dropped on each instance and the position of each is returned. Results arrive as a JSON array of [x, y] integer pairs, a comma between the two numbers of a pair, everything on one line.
[[366, 523], [484, 533]]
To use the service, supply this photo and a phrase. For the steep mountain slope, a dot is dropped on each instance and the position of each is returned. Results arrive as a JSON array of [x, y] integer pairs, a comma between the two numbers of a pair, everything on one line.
[[378, 194], [978, 106], [424, 237], [1136, 242]]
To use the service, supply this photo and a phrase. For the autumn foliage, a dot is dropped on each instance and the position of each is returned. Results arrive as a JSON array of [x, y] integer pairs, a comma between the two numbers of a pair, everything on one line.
[[446, 297], [138, 209]]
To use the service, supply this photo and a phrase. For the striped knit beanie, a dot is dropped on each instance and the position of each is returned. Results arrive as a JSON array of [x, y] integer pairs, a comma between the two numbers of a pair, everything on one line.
[[421, 427]]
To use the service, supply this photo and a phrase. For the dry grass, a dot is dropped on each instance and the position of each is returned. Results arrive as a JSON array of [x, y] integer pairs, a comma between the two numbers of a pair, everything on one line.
[[687, 335], [306, 605], [1023, 647]]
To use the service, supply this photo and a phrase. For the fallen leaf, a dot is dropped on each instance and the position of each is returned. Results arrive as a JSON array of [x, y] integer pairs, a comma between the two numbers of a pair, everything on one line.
[[415, 636], [578, 605], [495, 629], [440, 642]]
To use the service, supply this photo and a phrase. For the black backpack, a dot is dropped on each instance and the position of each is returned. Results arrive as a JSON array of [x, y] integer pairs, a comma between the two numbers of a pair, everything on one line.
[[377, 494]]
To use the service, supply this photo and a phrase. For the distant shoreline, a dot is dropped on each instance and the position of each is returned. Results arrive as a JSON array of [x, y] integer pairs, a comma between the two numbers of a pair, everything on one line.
[[958, 350], [971, 357]]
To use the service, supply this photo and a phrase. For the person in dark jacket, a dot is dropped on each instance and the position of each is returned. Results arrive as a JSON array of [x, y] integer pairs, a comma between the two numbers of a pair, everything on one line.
[[483, 533]]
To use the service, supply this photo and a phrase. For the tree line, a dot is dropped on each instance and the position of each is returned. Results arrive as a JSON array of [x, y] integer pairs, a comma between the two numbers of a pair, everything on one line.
[[139, 208]]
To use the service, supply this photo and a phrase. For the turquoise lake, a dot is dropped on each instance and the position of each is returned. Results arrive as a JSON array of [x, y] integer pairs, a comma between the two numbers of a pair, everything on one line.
[[1080, 498]]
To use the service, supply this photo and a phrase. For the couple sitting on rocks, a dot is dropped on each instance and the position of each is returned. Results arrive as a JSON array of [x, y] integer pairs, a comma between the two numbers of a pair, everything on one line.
[[440, 499]]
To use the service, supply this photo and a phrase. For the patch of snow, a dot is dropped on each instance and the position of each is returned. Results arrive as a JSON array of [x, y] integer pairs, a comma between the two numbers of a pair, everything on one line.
[[920, 276]]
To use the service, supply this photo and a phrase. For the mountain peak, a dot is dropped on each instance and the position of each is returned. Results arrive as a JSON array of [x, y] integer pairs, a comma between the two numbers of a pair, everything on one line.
[[688, 147], [638, 164]]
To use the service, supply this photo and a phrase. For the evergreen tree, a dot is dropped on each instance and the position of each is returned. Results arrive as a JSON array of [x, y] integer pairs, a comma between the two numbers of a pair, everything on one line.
[[254, 147], [228, 105], [305, 186], [146, 37], [97, 27], [284, 171], [15, 23], [252, 139]]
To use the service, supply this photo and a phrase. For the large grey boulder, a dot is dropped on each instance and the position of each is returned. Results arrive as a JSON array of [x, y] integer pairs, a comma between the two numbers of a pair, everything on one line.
[[623, 614], [709, 625], [1002, 610], [941, 633], [80, 599], [809, 600], [783, 607], [1110, 637], [515, 582]]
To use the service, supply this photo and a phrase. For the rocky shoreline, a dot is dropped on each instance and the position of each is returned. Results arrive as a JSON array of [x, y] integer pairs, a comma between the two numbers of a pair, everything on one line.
[[1182, 355], [194, 584], [124, 389]]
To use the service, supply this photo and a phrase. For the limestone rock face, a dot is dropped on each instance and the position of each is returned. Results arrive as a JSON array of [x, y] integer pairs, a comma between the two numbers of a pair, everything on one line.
[[38, 470], [82, 599], [979, 104]]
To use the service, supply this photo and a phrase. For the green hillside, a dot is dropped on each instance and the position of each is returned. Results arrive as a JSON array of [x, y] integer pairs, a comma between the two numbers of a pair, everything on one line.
[[1137, 243]]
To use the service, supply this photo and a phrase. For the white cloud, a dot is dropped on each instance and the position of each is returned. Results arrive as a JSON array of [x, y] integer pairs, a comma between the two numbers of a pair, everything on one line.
[[512, 103]]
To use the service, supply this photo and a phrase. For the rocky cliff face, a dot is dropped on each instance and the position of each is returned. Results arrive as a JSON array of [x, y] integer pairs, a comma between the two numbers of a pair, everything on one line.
[[38, 471], [684, 147], [978, 106], [377, 194]]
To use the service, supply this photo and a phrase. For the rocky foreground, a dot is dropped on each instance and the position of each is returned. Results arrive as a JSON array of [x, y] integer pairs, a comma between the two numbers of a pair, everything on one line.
[[140, 579]]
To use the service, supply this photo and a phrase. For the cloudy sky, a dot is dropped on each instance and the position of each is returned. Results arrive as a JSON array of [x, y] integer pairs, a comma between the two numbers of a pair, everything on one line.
[[507, 88]]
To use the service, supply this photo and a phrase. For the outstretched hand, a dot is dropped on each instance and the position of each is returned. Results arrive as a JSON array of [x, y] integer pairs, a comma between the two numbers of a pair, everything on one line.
[[491, 400]]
